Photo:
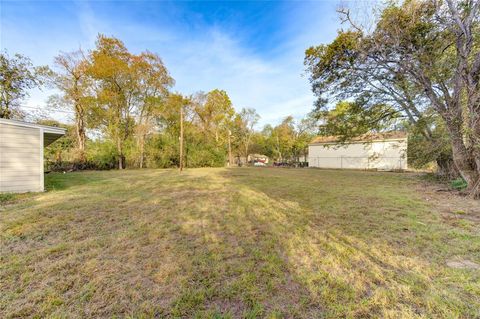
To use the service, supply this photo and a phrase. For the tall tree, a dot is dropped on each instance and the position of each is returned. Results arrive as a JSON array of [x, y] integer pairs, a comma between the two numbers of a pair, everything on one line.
[[72, 79], [214, 111], [153, 84], [117, 90], [243, 128], [289, 140], [305, 130], [427, 54], [283, 138], [175, 120], [17, 76]]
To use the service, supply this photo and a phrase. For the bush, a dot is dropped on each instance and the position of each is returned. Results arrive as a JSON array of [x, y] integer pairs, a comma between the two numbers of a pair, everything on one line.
[[162, 151], [205, 157], [101, 155], [458, 184]]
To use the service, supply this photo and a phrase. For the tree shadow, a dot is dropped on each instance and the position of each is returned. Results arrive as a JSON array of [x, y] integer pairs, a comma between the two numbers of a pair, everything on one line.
[[212, 243], [362, 243]]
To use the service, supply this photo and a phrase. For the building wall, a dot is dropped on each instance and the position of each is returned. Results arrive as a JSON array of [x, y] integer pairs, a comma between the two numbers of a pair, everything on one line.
[[21, 159], [383, 155]]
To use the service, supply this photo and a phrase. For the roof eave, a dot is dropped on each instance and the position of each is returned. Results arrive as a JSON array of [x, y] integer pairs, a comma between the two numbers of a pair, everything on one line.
[[46, 128], [358, 142]]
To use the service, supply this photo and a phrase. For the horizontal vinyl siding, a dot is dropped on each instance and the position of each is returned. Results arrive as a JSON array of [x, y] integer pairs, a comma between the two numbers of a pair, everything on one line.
[[385, 155], [18, 189], [20, 159]]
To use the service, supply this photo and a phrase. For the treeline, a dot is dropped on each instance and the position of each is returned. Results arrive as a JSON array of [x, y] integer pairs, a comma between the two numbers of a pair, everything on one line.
[[126, 115]]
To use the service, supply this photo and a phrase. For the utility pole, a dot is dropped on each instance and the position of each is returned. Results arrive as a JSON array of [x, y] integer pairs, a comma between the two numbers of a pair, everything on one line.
[[229, 149], [181, 138]]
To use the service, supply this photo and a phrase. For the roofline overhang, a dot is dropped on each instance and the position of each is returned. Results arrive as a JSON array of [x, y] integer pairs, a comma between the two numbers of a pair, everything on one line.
[[359, 142], [45, 128]]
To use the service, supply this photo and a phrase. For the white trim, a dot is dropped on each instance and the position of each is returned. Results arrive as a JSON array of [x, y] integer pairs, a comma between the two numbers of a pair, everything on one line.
[[46, 129], [42, 182]]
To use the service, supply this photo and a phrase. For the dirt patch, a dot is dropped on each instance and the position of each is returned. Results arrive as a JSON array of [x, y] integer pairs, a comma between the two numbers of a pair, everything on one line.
[[462, 264], [451, 204]]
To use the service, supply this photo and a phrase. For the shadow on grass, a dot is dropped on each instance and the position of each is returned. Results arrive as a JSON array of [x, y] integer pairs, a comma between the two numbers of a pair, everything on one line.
[[60, 181], [239, 243], [234, 267], [362, 243]]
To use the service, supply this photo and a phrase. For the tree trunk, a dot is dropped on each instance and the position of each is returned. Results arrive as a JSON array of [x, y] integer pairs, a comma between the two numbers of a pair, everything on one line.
[[446, 168], [142, 150], [81, 135], [120, 154], [180, 164], [120, 161], [464, 160], [230, 160], [475, 146]]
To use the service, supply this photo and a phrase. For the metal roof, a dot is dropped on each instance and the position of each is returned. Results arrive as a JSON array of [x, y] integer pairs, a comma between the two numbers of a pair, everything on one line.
[[366, 138]]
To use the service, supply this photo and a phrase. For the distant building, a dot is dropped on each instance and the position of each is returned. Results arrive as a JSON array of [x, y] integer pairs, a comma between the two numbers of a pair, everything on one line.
[[382, 151], [21, 154]]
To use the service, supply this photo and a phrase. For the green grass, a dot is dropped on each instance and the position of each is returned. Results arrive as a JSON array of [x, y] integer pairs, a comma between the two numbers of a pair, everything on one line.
[[7, 197], [234, 243]]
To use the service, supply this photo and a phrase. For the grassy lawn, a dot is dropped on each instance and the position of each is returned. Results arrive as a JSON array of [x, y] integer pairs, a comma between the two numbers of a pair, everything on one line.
[[235, 243]]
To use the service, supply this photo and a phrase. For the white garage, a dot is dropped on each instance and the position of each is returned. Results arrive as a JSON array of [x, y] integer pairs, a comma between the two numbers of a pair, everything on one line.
[[21, 155], [386, 151]]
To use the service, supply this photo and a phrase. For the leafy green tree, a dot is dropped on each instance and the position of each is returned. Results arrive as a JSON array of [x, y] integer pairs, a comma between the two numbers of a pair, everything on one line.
[[76, 86], [422, 151], [61, 150], [117, 90], [214, 111], [164, 145], [420, 55], [243, 129], [17, 76], [281, 138], [305, 130], [153, 83], [351, 119]]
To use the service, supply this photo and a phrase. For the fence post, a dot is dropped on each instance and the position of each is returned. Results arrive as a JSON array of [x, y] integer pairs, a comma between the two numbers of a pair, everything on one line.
[[341, 161]]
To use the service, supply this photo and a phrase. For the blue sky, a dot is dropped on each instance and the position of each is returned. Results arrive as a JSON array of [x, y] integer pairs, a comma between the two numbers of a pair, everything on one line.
[[252, 49]]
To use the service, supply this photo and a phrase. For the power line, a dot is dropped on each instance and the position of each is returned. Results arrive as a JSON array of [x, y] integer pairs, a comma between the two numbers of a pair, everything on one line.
[[51, 110]]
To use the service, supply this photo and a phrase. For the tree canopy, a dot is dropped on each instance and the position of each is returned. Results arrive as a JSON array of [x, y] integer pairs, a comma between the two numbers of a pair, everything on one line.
[[17, 77]]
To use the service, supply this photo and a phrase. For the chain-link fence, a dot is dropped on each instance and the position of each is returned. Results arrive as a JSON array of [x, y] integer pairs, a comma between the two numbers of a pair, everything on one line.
[[356, 162]]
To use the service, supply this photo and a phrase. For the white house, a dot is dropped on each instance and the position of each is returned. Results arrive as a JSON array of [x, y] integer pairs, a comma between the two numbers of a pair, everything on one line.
[[21, 154], [384, 151]]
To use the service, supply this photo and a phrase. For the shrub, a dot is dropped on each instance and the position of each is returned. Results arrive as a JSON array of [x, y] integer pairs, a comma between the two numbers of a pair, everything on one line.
[[101, 155], [6, 197], [458, 184]]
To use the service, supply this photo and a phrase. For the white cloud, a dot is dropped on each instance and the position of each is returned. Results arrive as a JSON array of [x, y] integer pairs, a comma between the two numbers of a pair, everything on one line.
[[275, 87], [202, 57]]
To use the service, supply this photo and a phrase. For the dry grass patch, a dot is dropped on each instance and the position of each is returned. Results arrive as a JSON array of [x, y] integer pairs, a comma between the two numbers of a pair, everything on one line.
[[234, 243]]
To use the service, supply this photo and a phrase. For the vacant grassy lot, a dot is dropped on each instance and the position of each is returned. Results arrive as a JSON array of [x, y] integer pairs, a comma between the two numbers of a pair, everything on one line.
[[235, 243]]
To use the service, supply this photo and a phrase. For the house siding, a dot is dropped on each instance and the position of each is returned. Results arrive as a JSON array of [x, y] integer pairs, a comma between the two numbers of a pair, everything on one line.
[[383, 155], [21, 158]]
